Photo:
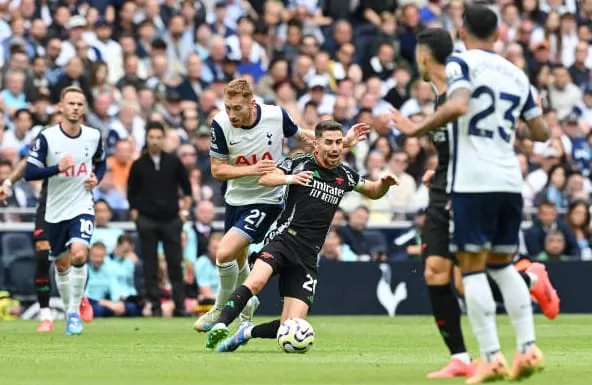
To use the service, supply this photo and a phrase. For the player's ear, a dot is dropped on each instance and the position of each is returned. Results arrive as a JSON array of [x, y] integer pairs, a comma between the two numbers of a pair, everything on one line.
[[463, 34], [496, 35]]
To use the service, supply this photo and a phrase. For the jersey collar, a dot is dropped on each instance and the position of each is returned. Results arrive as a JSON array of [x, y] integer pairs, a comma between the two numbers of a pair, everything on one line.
[[70, 136], [258, 108]]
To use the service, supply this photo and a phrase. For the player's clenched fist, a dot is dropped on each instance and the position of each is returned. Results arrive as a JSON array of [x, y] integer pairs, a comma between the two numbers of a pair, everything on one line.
[[427, 177], [389, 180], [91, 182], [264, 167], [302, 178], [66, 162]]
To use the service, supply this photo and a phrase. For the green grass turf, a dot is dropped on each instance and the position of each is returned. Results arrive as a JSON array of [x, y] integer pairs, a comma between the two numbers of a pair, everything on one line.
[[348, 350]]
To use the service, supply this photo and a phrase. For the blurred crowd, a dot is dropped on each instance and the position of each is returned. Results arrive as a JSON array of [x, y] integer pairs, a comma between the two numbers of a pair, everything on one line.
[[347, 60]]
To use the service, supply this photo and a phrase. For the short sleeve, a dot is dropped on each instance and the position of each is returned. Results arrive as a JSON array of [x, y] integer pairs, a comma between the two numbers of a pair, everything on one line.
[[100, 152], [531, 110], [457, 74], [286, 165], [289, 127], [354, 180], [218, 148], [38, 152]]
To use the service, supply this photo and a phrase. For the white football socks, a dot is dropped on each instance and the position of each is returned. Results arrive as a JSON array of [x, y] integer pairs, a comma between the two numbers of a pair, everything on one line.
[[78, 278], [228, 273], [518, 304], [243, 274], [481, 313], [62, 280], [45, 314]]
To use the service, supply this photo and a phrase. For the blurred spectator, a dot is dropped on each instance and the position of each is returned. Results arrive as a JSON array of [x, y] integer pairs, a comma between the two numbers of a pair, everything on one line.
[[206, 273], [546, 222], [204, 216], [334, 249], [120, 164], [365, 243], [554, 248], [17, 197], [110, 287], [102, 232], [578, 220], [409, 244]]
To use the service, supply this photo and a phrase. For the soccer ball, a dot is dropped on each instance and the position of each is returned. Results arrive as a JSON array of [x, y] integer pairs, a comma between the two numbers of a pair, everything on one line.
[[295, 335]]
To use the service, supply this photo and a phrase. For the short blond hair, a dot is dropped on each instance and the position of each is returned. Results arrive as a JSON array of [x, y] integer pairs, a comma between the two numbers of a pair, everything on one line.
[[238, 87], [71, 89]]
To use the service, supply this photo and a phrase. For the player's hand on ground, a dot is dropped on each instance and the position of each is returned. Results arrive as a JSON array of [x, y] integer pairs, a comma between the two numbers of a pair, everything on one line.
[[264, 167], [389, 180], [66, 162], [91, 182], [357, 133], [402, 123], [302, 178], [427, 177]]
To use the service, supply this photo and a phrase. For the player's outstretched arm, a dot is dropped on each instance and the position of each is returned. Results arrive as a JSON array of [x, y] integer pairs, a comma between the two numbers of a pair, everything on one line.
[[376, 189], [222, 171], [279, 178], [456, 106]]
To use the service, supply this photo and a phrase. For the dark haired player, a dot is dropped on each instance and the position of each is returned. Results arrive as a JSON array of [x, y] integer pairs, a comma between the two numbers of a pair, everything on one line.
[[434, 46], [317, 182], [41, 244], [486, 96]]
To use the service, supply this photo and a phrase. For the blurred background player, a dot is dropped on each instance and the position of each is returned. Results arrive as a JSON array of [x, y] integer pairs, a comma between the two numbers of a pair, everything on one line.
[[317, 183], [70, 157], [485, 91], [247, 140], [434, 46], [41, 244]]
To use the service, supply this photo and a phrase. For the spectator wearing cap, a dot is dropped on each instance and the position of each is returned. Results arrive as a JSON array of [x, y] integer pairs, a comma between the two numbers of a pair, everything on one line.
[[317, 93], [76, 27], [580, 69], [109, 49], [153, 192], [563, 93]]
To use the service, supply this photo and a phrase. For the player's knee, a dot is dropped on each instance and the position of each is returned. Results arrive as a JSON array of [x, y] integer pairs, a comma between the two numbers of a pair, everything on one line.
[[225, 254], [78, 255], [62, 264], [41, 246]]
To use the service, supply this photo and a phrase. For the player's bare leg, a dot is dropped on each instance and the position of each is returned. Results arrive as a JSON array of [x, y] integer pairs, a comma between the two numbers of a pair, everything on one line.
[[231, 246], [446, 310], [42, 285], [238, 300], [481, 311], [529, 358]]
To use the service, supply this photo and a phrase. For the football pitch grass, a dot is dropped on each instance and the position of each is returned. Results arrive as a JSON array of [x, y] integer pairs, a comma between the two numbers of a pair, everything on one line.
[[347, 350]]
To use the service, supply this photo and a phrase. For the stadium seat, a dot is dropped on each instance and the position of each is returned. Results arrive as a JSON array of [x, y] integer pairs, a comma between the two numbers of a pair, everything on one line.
[[21, 272], [16, 245]]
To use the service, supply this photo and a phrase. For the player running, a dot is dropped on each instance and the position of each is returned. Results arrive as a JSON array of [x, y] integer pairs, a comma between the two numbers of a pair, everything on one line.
[[41, 244], [434, 46], [71, 159], [247, 140], [317, 182], [486, 96]]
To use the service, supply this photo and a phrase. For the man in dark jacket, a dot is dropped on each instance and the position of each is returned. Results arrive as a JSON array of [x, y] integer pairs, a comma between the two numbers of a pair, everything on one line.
[[547, 221], [153, 193]]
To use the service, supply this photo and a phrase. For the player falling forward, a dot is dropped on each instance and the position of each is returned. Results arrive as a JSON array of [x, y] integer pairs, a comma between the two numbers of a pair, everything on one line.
[[317, 182], [247, 140], [41, 243], [70, 157], [486, 96], [434, 46]]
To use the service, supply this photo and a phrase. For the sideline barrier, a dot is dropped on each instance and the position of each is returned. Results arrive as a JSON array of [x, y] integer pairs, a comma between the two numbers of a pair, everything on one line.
[[398, 289]]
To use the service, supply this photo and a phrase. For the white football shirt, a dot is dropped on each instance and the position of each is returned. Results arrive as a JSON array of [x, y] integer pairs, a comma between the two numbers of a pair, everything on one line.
[[66, 195], [246, 146], [482, 147]]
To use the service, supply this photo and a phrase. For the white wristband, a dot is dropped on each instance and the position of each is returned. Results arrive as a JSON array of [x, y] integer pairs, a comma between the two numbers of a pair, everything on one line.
[[7, 183], [289, 179]]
